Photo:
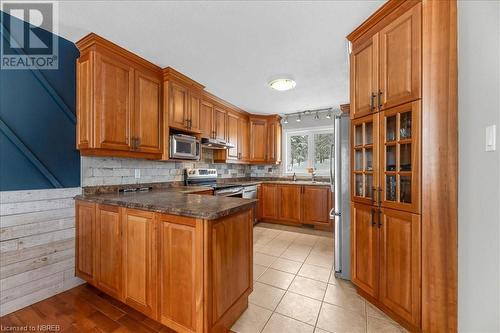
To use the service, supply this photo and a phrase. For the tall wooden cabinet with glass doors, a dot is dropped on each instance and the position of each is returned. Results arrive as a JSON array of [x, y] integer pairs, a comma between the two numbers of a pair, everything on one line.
[[385, 162]]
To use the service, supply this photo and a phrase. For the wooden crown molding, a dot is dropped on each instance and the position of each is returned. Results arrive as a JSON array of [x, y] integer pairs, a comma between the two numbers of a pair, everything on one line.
[[225, 104], [370, 23], [345, 108], [91, 40], [170, 73], [276, 117]]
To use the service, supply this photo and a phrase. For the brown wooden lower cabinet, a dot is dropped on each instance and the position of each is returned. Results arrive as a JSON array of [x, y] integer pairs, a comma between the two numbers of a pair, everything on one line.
[[296, 204], [139, 260], [192, 275], [85, 241], [290, 203], [316, 205], [386, 259], [180, 273], [269, 201], [108, 249], [364, 248]]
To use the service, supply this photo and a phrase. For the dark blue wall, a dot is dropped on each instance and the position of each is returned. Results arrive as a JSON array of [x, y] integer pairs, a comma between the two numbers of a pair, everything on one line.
[[38, 123]]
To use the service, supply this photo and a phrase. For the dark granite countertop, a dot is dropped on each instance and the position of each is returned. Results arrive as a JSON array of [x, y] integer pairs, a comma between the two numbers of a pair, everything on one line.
[[175, 200], [284, 181]]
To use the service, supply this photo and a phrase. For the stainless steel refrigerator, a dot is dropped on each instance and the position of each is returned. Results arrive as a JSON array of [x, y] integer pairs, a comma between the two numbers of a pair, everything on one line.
[[340, 184]]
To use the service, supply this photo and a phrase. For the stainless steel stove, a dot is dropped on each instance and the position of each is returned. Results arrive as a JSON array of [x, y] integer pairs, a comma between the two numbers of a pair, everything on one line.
[[208, 177]]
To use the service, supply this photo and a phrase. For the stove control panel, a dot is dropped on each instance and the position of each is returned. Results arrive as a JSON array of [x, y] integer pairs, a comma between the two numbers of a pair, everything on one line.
[[201, 173]]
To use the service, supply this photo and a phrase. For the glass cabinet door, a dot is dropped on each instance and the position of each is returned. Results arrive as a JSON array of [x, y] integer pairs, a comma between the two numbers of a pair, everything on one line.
[[399, 151], [364, 158]]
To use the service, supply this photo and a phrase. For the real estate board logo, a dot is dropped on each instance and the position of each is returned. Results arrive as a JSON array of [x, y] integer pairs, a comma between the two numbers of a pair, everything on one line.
[[29, 35]]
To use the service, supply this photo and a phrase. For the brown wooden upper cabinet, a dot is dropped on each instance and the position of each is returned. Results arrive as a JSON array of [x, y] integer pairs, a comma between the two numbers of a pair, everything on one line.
[[220, 123], [386, 67], [233, 129], [206, 119], [274, 140], [364, 77], [128, 107], [118, 101], [244, 139], [238, 134], [265, 139], [258, 140], [183, 101]]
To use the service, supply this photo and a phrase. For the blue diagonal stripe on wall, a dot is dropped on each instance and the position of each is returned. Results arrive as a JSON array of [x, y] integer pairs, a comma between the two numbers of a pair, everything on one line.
[[43, 81], [38, 121], [25, 150]]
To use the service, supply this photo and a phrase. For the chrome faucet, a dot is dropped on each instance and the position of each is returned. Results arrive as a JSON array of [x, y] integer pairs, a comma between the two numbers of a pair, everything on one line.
[[313, 174]]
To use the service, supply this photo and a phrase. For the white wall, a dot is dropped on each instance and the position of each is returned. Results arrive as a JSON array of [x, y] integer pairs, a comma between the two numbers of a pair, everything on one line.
[[479, 171]]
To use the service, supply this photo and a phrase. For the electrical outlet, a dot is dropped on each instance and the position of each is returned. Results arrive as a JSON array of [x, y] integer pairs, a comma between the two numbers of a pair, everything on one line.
[[491, 137], [137, 173]]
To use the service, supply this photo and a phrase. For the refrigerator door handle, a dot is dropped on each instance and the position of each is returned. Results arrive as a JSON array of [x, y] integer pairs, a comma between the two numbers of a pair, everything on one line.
[[333, 213], [332, 166]]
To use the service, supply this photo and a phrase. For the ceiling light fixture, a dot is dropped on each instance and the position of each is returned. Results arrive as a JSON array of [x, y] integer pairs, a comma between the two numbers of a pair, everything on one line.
[[286, 120], [316, 116], [282, 84], [329, 115], [299, 118]]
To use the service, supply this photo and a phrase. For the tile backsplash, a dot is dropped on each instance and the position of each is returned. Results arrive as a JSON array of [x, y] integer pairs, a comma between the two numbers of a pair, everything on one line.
[[119, 171]]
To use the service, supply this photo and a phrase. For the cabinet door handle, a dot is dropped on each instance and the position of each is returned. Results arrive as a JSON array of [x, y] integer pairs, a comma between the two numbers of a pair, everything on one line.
[[373, 217], [372, 101], [379, 100], [379, 222], [379, 197]]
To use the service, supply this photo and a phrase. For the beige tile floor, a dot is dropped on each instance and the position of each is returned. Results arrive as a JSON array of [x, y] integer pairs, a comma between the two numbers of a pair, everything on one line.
[[296, 292]]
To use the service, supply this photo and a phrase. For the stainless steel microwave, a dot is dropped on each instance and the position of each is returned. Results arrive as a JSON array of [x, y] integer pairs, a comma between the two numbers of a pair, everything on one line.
[[184, 147]]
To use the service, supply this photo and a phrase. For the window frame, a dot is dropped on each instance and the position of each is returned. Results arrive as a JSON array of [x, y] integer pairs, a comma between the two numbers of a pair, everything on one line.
[[310, 132]]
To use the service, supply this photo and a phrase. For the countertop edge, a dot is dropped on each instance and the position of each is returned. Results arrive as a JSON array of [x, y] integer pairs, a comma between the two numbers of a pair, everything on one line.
[[169, 211]]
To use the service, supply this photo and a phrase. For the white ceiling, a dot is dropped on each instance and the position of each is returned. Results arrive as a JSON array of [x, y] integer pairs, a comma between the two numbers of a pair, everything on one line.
[[235, 47]]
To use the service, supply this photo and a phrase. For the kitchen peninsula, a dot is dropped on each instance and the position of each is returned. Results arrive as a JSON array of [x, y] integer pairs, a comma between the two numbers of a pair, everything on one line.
[[181, 258]]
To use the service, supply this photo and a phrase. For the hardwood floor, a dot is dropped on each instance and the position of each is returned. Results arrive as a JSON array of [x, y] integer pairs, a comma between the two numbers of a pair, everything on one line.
[[82, 309]]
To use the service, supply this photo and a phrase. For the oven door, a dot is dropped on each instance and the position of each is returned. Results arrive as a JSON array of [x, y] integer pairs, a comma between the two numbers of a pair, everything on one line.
[[184, 147]]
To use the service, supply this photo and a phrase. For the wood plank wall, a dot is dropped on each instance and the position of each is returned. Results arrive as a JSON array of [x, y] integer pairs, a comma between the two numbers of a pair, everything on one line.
[[37, 246]]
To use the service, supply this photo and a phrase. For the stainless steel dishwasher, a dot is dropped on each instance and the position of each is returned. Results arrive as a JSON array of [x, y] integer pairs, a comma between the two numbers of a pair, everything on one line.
[[250, 192]]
